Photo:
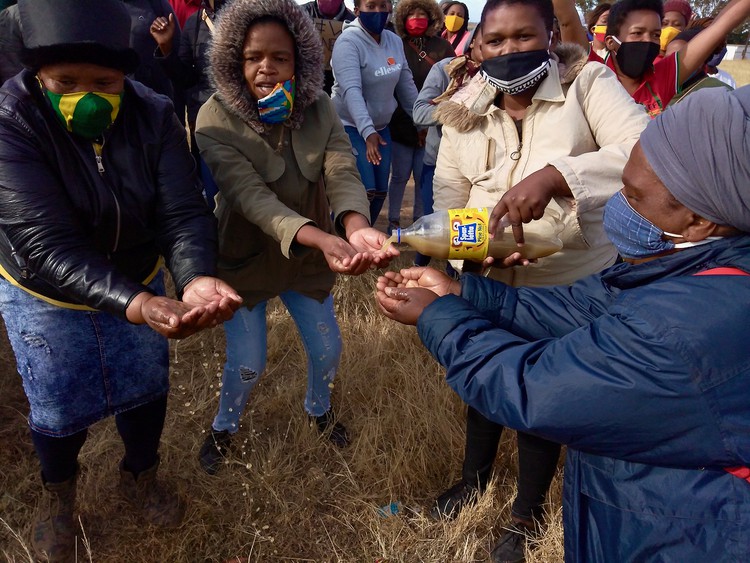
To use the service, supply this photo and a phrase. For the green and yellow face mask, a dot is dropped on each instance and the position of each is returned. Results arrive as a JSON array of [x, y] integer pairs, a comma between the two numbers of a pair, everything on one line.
[[87, 114]]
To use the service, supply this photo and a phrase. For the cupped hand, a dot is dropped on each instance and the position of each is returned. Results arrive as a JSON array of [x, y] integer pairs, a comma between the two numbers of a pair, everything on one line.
[[420, 277], [343, 258], [528, 199], [374, 141], [402, 304], [371, 241], [205, 290], [176, 319]]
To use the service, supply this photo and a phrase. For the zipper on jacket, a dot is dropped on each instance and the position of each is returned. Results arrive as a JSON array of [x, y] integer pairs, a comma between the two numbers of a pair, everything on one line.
[[98, 149], [516, 154]]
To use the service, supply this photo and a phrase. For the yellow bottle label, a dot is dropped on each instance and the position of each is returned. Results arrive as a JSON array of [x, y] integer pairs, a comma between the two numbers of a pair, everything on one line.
[[470, 238]]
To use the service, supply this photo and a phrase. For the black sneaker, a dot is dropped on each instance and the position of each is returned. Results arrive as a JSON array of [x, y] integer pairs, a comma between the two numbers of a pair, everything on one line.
[[511, 547], [335, 431], [214, 449], [451, 502]]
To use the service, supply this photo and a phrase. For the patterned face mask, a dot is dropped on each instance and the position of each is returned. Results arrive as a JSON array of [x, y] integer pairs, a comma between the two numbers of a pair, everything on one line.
[[277, 106], [86, 114], [516, 72], [634, 236]]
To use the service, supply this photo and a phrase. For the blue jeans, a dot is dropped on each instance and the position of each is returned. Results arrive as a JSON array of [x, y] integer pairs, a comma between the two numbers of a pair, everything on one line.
[[210, 189], [425, 183], [79, 367], [428, 175], [404, 161], [374, 177], [247, 348]]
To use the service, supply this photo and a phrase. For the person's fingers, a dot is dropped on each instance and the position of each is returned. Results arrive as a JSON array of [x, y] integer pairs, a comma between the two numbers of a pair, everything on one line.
[[383, 309], [517, 232], [388, 306], [395, 276], [414, 273], [498, 213], [360, 264]]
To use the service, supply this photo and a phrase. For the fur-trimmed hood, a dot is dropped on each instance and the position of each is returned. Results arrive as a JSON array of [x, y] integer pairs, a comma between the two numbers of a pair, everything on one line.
[[405, 7], [226, 59], [468, 107]]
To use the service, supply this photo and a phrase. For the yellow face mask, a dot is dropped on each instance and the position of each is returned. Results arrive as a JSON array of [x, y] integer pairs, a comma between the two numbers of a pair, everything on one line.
[[453, 23], [667, 34]]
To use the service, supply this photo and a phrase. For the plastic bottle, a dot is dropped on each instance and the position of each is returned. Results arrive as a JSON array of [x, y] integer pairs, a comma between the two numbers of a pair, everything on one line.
[[462, 234]]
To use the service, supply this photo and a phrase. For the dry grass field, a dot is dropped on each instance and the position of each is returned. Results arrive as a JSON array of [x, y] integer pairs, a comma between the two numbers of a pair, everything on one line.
[[286, 494]]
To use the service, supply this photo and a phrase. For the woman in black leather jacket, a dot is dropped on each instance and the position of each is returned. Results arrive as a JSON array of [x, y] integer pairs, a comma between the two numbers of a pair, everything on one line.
[[96, 186]]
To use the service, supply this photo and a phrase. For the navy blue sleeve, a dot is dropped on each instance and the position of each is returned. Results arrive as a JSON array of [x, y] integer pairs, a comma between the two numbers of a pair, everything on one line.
[[538, 312], [619, 386]]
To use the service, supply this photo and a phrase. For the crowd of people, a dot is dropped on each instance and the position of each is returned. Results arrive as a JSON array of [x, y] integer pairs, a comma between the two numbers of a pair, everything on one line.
[[210, 138]]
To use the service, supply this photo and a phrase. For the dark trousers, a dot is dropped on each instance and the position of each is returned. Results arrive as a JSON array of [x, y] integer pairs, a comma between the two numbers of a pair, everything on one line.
[[140, 429], [537, 463]]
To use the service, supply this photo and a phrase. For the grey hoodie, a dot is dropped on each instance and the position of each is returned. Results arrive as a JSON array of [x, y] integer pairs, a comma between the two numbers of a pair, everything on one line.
[[366, 75]]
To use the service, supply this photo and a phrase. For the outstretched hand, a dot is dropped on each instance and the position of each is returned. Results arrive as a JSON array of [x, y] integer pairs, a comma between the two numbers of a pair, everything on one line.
[[343, 258], [420, 277], [402, 304], [206, 303], [206, 290], [371, 241]]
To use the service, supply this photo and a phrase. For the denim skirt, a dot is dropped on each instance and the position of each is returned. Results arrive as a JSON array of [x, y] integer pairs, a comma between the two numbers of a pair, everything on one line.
[[79, 367]]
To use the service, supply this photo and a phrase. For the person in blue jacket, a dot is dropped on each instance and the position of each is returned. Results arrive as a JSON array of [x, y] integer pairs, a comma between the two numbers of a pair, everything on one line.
[[642, 370]]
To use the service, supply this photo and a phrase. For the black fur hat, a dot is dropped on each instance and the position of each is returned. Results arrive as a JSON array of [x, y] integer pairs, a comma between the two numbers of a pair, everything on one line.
[[76, 31]]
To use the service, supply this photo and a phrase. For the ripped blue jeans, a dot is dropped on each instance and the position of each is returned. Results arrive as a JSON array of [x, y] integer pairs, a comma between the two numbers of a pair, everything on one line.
[[246, 355]]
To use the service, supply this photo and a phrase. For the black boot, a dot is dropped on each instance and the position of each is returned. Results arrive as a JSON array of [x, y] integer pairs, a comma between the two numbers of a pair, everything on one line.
[[513, 542], [214, 450], [482, 439], [451, 502], [334, 431]]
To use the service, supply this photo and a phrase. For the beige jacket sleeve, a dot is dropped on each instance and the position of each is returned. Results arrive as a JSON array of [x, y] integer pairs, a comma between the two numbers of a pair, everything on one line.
[[242, 164], [450, 187], [616, 122]]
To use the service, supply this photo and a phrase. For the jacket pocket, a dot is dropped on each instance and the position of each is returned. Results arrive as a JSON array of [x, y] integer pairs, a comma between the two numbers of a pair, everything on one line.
[[240, 242]]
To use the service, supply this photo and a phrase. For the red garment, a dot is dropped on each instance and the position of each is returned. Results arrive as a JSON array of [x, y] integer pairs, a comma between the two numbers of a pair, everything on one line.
[[659, 85], [183, 9]]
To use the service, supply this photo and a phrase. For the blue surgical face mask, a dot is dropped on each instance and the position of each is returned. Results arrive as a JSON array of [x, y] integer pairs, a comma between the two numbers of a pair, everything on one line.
[[634, 236], [374, 22]]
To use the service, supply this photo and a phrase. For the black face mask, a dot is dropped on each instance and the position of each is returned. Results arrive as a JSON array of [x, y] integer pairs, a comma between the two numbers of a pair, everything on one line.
[[516, 72], [635, 57]]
